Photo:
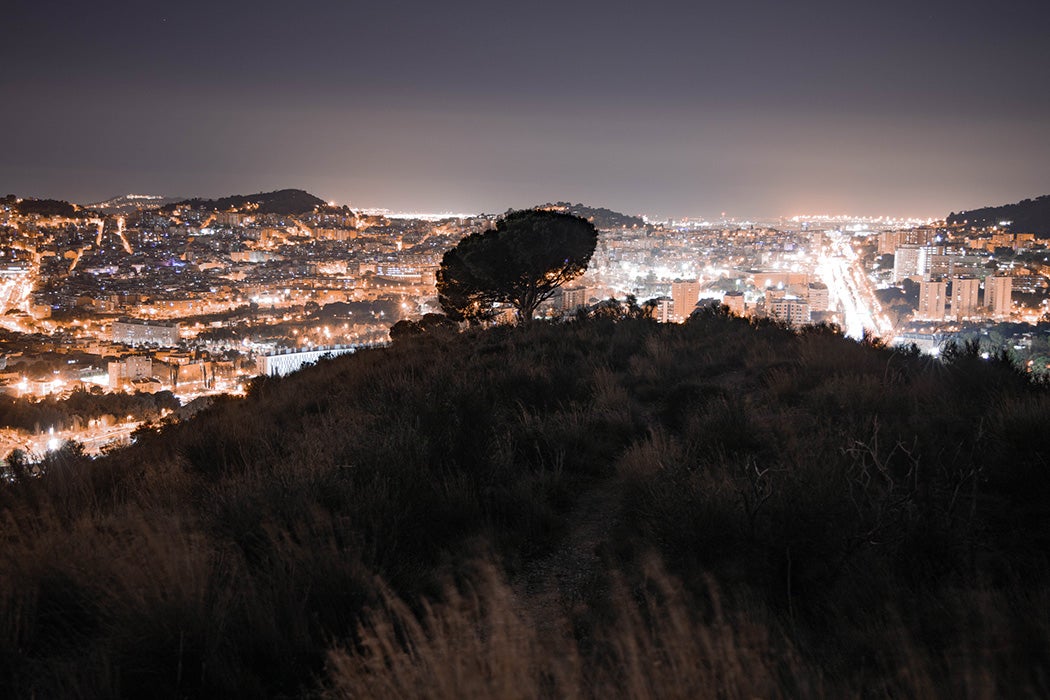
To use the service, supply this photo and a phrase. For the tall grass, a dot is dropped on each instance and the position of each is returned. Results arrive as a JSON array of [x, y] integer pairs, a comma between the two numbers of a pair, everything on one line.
[[663, 642], [831, 519]]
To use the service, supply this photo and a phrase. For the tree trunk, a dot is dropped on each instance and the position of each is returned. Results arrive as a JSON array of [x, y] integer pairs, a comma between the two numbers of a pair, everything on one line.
[[526, 312], [527, 307]]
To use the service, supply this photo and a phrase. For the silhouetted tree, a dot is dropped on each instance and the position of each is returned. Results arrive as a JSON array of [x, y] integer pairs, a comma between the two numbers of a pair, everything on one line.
[[521, 262]]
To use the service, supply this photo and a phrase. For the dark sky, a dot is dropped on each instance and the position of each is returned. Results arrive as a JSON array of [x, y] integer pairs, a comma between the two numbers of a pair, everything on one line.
[[679, 108]]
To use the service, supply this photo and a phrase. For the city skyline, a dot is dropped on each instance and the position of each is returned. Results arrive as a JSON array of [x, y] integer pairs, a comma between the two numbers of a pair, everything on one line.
[[674, 110]]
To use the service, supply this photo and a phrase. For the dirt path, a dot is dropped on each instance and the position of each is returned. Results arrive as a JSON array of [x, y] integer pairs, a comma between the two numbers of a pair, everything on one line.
[[549, 588]]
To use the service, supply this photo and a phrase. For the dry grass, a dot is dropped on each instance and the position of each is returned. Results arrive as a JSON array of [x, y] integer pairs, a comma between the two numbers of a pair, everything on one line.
[[834, 520]]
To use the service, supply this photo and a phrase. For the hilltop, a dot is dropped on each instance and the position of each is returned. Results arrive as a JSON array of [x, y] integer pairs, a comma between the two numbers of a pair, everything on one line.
[[604, 508], [603, 219], [287, 202], [1026, 216]]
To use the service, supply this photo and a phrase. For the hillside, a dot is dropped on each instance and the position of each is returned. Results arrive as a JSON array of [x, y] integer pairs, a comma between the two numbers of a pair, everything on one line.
[[1026, 216], [43, 207], [128, 203], [604, 508], [287, 202]]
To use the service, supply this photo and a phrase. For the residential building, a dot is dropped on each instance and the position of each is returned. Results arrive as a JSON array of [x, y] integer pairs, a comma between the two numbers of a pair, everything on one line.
[[964, 297], [998, 293], [931, 300], [685, 294]]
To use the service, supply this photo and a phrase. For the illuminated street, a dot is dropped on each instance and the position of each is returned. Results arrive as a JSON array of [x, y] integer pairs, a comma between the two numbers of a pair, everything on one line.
[[849, 288], [14, 290]]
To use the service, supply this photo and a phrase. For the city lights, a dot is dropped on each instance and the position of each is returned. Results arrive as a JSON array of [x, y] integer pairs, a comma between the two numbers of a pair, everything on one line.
[[146, 303]]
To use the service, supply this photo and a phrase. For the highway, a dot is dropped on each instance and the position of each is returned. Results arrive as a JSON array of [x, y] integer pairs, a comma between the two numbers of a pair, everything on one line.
[[850, 289]]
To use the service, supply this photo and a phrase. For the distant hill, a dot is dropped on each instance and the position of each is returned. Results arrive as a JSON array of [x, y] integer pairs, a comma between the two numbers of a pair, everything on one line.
[[288, 202], [1026, 216], [602, 218], [131, 202]]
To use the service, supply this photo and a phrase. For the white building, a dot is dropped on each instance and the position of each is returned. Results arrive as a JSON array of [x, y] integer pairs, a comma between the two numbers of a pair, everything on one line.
[[282, 363]]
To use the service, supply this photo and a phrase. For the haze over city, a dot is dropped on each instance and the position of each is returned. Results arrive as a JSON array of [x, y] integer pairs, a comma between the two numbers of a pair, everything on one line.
[[667, 109]]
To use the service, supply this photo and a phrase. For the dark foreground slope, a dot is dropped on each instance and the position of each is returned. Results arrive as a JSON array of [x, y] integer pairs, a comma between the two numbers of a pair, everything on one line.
[[598, 509]]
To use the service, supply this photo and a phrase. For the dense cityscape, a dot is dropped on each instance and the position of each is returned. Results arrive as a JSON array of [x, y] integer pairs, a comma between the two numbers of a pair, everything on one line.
[[143, 295]]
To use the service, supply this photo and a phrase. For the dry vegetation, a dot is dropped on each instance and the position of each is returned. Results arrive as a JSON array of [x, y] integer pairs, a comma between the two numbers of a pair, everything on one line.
[[763, 514]]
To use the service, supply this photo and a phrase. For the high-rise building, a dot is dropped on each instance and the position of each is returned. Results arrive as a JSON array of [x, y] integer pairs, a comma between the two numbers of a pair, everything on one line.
[[685, 294], [573, 298], [818, 296], [735, 302], [888, 242], [931, 300], [794, 311], [906, 262], [927, 254], [998, 293], [964, 296]]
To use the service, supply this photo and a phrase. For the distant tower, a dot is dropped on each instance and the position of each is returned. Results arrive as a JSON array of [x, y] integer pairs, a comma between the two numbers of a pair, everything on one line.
[[685, 294], [964, 297], [931, 300], [998, 293]]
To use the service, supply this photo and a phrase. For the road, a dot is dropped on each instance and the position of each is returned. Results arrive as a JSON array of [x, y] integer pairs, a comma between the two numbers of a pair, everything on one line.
[[15, 289], [93, 439], [850, 289]]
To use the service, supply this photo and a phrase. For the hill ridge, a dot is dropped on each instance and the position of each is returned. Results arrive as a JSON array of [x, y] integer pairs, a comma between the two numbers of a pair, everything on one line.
[[1026, 216], [285, 201]]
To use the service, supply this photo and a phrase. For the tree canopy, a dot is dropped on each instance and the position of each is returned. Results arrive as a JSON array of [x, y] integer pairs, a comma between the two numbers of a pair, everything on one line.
[[521, 262]]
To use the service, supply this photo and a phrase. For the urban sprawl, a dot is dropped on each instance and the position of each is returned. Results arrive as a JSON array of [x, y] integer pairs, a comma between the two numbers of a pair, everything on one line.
[[180, 299]]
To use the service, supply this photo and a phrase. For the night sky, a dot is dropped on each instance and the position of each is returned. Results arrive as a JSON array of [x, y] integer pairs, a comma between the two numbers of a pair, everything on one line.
[[682, 108]]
